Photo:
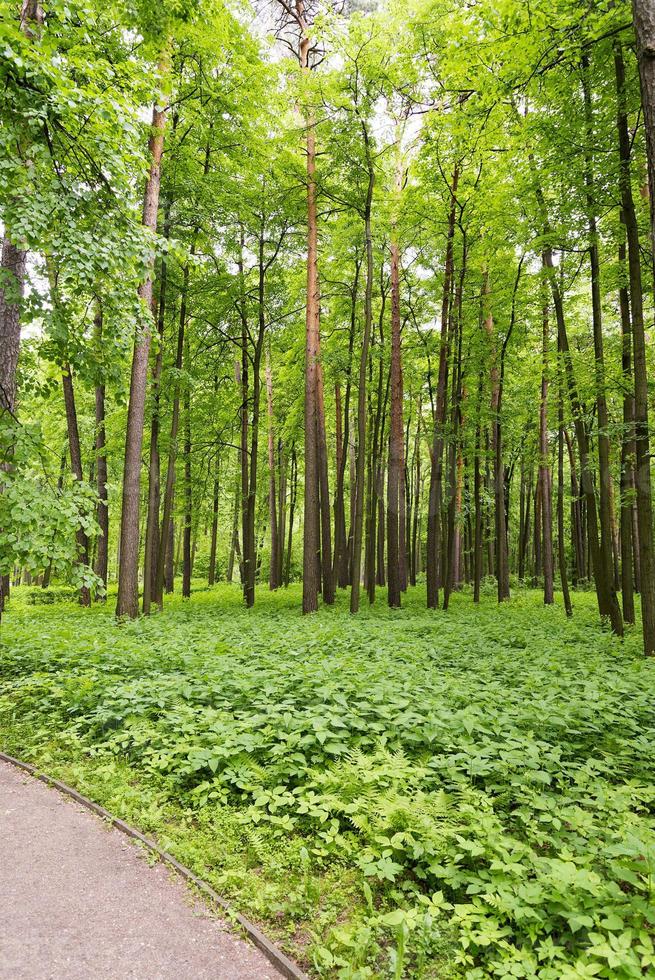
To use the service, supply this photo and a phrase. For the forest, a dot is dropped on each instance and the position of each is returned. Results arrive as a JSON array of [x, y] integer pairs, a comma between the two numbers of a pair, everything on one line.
[[326, 495]]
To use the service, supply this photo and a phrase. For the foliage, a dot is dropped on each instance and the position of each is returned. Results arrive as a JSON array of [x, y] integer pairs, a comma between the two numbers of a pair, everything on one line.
[[482, 779], [38, 520]]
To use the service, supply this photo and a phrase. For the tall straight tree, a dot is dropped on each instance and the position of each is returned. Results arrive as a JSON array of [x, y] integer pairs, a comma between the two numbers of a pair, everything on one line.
[[544, 468], [643, 13], [274, 568], [102, 553], [297, 15], [605, 477], [642, 439], [360, 479], [128, 570], [433, 558], [396, 474]]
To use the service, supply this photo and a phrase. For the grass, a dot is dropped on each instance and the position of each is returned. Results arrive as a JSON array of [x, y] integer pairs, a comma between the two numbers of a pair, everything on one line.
[[399, 794]]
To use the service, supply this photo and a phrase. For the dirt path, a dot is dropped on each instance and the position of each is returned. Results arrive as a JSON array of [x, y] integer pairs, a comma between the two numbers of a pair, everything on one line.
[[78, 901]]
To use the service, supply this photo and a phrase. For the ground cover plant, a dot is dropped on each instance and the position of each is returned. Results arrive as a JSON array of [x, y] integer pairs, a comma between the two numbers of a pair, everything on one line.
[[401, 794]]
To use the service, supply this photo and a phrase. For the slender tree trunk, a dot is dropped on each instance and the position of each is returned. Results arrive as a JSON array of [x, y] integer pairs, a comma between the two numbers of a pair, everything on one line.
[[128, 572], [477, 540], [457, 543], [13, 265], [415, 540], [151, 551], [14, 261], [235, 533], [282, 516], [169, 490], [544, 471], [292, 509], [311, 522], [327, 578], [627, 454], [188, 496], [380, 578], [341, 549], [502, 563], [395, 479], [522, 516], [102, 554], [250, 458], [169, 560], [214, 528], [405, 515], [451, 564], [76, 468], [273, 579], [436, 455], [45, 583], [607, 602], [339, 503], [356, 563], [643, 15], [576, 516], [605, 556], [645, 33], [561, 550], [537, 569], [376, 441]]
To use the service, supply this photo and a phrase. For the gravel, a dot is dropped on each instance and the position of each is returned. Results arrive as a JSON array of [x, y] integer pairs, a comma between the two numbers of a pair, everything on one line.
[[80, 902]]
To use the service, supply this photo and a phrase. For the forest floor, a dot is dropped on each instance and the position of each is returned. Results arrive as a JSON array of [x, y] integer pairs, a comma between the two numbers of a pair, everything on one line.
[[397, 794]]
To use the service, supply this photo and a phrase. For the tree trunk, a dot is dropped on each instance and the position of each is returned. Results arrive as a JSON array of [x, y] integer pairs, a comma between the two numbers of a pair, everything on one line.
[[643, 15], [339, 502], [627, 453], [211, 578], [561, 551], [282, 513], [607, 602], [327, 578], [151, 551], [14, 261], [188, 496], [605, 476], [380, 578], [395, 478], [451, 550], [102, 554], [436, 455], [341, 551], [76, 468], [415, 540], [537, 567], [645, 33], [358, 529], [128, 572], [169, 489], [311, 522], [292, 508], [544, 471], [502, 562], [234, 537], [273, 580], [13, 264]]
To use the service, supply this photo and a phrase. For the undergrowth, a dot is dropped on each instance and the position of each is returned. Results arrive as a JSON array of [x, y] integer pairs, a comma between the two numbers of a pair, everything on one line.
[[407, 794]]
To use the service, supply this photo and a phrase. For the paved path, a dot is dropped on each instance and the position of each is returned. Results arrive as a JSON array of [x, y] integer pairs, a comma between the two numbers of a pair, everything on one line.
[[79, 902]]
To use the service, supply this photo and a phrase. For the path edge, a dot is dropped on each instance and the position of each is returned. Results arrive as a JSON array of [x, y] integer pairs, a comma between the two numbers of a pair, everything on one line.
[[274, 955]]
